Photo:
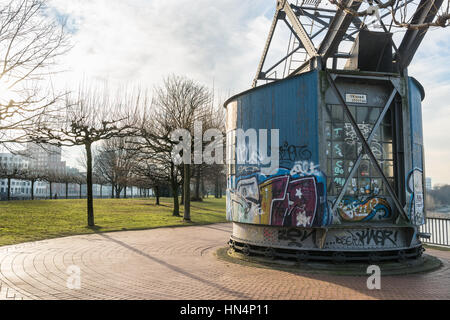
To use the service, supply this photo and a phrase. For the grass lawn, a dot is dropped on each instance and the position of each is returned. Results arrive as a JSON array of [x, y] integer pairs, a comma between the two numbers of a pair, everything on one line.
[[24, 221]]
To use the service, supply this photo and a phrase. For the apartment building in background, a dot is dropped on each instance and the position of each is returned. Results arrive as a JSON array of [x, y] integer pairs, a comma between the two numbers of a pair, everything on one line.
[[47, 159]]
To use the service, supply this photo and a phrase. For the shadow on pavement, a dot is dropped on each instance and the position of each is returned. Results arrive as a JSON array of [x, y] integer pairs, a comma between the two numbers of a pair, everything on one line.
[[177, 269]]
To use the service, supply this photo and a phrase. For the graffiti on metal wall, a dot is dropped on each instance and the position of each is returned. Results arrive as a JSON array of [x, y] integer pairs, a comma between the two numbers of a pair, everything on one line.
[[296, 237], [364, 238], [416, 201], [290, 201], [291, 153], [373, 208], [366, 129], [292, 198]]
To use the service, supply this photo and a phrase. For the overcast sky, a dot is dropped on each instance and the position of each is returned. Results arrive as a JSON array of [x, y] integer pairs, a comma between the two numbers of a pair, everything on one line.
[[220, 42]]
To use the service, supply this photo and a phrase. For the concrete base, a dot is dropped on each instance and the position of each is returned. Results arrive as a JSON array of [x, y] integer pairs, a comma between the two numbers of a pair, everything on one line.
[[423, 264]]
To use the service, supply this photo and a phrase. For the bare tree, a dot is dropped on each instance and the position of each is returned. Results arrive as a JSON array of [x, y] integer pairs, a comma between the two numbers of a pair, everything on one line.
[[114, 162], [154, 153], [178, 104], [152, 174], [91, 116], [30, 41]]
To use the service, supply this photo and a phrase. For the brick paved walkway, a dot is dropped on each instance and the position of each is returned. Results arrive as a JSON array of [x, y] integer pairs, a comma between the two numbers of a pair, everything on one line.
[[179, 263]]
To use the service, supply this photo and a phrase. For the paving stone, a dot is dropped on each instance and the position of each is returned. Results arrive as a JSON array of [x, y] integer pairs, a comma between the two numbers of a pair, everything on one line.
[[179, 263]]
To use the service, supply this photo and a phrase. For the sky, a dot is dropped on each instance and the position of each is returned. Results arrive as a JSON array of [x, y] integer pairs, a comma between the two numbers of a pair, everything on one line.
[[219, 43]]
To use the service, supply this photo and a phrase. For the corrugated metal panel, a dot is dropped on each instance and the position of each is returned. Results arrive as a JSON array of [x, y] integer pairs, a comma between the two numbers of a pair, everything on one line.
[[289, 105]]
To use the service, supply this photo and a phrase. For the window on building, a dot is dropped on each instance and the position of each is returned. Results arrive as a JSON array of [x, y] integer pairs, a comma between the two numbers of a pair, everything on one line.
[[343, 149]]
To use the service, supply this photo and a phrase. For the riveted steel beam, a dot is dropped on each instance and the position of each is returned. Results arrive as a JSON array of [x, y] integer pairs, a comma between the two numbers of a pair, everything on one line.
[[337, 30], [300, 31]]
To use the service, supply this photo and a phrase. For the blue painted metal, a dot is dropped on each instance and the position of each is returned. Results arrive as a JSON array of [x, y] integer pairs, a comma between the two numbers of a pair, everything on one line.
[[414, 182], [291, 106], [295, 195]]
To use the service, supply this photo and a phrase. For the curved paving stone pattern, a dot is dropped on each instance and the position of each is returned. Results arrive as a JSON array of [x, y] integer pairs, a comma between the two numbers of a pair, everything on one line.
[[179, 263]]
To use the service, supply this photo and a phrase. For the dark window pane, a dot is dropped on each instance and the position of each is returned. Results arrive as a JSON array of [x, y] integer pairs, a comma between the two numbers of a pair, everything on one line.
[[364, 169], [348, 166], [388, 117], [327, 113], [377, 149], [362, 115], [387, 133], [388, 167], [338, 132], [349, 151], [338, 113], [353, 111], [338, 150], [374, 113]]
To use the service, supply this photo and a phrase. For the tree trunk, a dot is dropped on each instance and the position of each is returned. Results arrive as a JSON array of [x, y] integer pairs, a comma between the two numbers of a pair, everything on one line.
[[9, 189], [182, 194], [67, 190], [203, 187], [101, 191], [157, 195], [112, 191], [125, 193], [197, 196], [187, 192], [32, 189], [51, 192], [90, 200], [216, 187], [81, 194], [174, 185]]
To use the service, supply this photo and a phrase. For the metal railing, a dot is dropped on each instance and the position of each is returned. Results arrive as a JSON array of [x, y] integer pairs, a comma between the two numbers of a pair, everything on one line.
[[439, 230]]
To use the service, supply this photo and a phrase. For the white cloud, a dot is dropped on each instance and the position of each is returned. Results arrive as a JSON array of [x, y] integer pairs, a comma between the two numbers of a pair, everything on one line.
[[142, 41]]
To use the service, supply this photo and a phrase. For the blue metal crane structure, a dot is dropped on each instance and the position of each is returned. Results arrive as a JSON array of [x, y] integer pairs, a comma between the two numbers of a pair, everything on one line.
[[350, 181]]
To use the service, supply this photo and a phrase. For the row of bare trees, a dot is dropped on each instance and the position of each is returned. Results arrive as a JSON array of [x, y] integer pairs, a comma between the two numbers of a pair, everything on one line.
[[127, 140], [10, 172]]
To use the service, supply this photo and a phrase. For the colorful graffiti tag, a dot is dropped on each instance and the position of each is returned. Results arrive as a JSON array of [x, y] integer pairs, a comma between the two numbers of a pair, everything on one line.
[[290, 198], [373, 208]]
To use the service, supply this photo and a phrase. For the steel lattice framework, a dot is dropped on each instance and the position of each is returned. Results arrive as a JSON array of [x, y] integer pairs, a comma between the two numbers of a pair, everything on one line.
[[317, 31], [337, 28]]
